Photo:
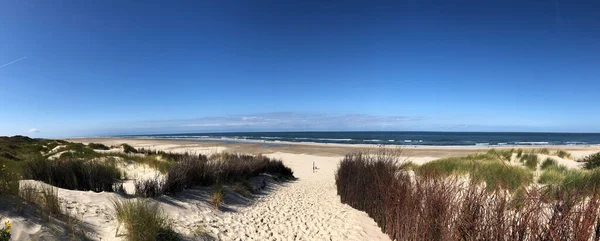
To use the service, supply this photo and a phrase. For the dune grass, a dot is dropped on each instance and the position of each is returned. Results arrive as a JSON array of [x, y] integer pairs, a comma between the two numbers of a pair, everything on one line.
[[486, 168], [544, 151], [143, 220], [128, 148], [193, 170], [530, 160], [243, 188], [591, 161], [217, 196], [98, 146], [548, 162], [75, 174], [429, 207], [519, 153], [563, 154]]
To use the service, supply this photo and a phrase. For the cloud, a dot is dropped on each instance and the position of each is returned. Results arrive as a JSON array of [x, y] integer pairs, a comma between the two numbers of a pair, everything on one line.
[[283, 121], [33, 130], [12, 62]]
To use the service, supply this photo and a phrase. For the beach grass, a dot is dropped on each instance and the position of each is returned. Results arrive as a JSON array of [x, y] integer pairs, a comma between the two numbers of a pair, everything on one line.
[[486, 168], [128, 148], [563, 154], [440, 207], [74, 174], [98, 146], [548, 162], [530, 160], [243, 188], [591, 161], [143, 220], [217, 196]]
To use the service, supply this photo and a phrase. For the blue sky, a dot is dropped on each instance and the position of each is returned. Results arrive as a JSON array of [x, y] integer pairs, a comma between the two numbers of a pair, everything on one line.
[[83, 68]]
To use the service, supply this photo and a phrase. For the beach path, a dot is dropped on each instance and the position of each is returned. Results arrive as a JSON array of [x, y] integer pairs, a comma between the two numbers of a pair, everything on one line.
[[306, 209]]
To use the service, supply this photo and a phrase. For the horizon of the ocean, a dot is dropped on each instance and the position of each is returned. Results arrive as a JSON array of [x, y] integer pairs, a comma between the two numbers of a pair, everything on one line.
[[424, 138]]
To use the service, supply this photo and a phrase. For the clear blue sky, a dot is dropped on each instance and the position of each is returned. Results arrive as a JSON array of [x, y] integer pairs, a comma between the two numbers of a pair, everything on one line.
[[84, 68]]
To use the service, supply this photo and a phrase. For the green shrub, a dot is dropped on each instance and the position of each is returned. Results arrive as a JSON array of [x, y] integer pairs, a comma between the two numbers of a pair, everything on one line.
[[591, 161], [549, 162], [98, 146], [144, 221], [77, 150], [128, 149], [9, 181]]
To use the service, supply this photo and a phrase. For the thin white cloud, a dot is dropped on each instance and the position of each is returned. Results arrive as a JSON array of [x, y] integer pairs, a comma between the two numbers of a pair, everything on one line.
[[12, 62], [33, 130], [286, 120]]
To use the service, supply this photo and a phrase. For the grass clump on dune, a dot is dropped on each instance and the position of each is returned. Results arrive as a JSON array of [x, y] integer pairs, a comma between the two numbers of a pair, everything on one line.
[[544, 151], [563, 154], [549, 162], [225, 168], [217, 196], [98, 146], [519, 153], [143, 221], [591, 161], [128, 148], [75, 174], [530, 160]]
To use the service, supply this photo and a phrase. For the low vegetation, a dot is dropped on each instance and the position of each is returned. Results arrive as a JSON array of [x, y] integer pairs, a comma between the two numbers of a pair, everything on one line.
[[217, 196], [199, 170], [128, 149], [563, 154], [5, 231], [489, 169], [448, 200], [98, 146], [143, 221], [74, 174], [591, 161], [549, 162], [530, 161]]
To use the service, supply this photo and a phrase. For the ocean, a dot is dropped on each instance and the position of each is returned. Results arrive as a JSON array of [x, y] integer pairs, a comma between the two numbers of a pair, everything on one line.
[[396, 138]]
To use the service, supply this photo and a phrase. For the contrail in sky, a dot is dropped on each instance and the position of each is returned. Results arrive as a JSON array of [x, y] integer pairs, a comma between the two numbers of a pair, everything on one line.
[[12, 62], [559, 19]]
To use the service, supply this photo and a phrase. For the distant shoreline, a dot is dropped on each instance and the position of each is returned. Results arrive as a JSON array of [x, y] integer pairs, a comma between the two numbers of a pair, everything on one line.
[[275, 143]]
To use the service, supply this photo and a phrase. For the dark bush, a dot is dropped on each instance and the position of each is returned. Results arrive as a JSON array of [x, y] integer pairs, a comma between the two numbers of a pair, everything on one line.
[[128, 149], [98, 146], [149, 188], [74, 174], [591, 161], [197, 170]]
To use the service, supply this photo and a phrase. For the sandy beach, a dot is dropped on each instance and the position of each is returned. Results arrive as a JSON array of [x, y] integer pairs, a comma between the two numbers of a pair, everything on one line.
[[305, 209]]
